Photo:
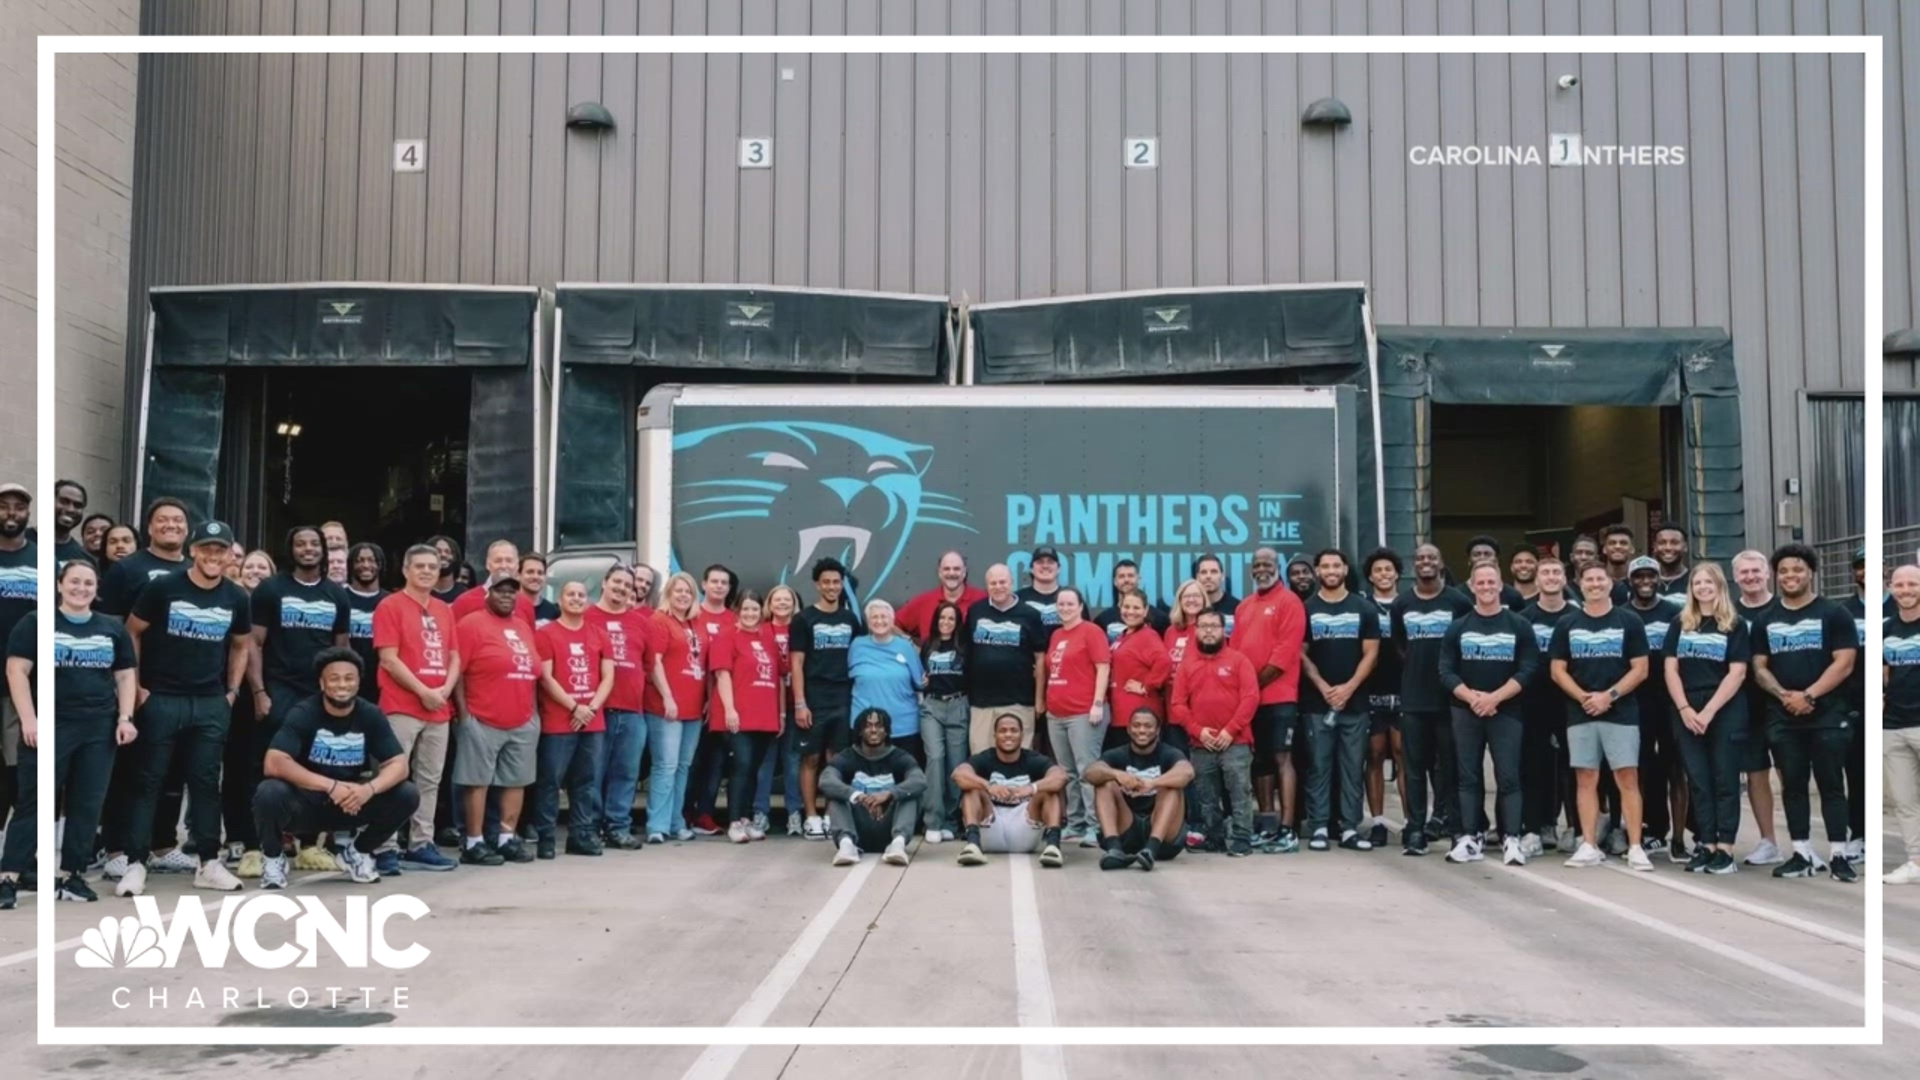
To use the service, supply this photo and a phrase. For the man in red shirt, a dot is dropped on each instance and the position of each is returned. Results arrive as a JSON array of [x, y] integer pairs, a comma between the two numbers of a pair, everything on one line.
[[499, 731], [1269, 629], [419, 668], [915, 616], [502, 558], [1214, 696]]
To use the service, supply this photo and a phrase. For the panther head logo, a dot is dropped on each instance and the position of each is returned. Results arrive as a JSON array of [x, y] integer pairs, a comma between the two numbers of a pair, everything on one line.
[[815, 488]]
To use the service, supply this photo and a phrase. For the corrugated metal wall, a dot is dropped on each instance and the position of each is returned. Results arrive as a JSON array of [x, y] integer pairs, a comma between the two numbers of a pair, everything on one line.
[[1000, 176]]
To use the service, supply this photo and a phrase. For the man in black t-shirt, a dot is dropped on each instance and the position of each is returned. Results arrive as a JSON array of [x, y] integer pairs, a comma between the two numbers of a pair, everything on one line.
[[1211, 573], [1804, 648], [1669, 550], [533, 582], [1486, 549], [69, 509], [1663, 779], [1900, 722], [1599, 658], [334, 763], [1546, 776], [1006, 658], [1420, 621], [1044, 568], [1300, 576], [1616, 551], [1343, 644], [1011, 798], [818, 640], [1140, 794], [873, 791], [1753, 578], [192, 631], [19, 592], [165, 553], [365, 563]]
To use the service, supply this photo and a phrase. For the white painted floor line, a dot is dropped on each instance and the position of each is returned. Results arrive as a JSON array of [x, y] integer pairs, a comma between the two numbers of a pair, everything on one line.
[[1758, 911], [1032, 983], [109, 903], [718, 1061]]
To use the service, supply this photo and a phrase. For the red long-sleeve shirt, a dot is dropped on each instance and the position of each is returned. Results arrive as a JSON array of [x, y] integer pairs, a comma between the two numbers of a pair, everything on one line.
[[1218, 691], [1270, 629], [915, 617], [1140, 654]]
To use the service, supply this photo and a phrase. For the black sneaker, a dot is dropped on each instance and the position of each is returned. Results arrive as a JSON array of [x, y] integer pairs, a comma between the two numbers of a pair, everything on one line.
[[1797, 867], [1842, 870], [1653, 845], [1723, 863], [544, 849], [1319, 841], [625, 841], [1144, 858], [9, 894], [1413, 843], [447, 838], [1377, 836], [1115, 859], [481, 854], [1239, 849], [1353, 841], [29, 881], [74, 887], [1702, 858], [587, 846], [514, 851]]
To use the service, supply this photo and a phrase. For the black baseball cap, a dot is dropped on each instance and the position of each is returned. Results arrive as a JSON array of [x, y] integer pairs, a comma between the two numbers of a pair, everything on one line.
[[504, 579], [1046, 551], [211, 532]]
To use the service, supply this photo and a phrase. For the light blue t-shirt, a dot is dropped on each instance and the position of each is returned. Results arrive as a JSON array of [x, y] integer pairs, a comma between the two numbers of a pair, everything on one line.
[[887, 675]]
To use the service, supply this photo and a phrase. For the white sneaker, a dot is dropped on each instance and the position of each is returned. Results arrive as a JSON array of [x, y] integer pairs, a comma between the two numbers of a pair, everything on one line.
[[1465, 850], [816, 828], [1904, 874], [273, 872], [1569, 839], [935, 836], [133, 880], [896, 852], [756, 829], [357, 865], [1514, 851], [213, 874], [1856, 849], [1530, 847], [1766, 853], [1588, 855], [115, 868], [737, 832], [847, 854], [794, 824], [1637, 858], [176, 861]]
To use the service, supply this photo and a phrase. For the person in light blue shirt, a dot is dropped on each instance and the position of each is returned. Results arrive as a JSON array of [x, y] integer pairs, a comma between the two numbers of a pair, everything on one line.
[[887, 674]]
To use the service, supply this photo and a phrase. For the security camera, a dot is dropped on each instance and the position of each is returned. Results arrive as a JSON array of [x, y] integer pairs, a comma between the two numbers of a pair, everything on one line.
[[1568, 82]]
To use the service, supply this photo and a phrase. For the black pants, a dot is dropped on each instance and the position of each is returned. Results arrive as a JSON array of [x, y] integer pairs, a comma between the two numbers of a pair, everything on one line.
[[81, 766], [1803, 750], [192, 730], [1713, 765], [749, 751], [1539, 771], [707, 776], [1857, 777], [279, 807], [1428, 740], [1473, 736], [1660, 765], [117, 810]]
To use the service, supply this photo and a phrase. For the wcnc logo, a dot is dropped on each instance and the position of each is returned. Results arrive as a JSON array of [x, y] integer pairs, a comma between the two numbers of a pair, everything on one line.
[[145, 940]]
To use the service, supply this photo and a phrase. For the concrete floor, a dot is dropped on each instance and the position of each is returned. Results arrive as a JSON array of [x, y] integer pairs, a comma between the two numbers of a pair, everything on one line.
[[706, 934]]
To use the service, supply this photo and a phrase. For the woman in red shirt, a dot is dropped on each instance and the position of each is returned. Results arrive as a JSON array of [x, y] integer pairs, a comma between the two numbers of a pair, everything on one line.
[[782, 605], [576, 679], [1141, 668], [750, 708], [1188, 602], [1078, 662], [630, 634], [672, 737]]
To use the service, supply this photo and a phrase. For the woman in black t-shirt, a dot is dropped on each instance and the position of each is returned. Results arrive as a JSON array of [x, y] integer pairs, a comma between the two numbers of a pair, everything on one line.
[[945, 717], [94, 684], [1706, 656]]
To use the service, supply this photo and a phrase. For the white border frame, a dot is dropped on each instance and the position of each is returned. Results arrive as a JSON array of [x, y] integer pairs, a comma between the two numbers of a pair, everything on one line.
[[1868, 47]]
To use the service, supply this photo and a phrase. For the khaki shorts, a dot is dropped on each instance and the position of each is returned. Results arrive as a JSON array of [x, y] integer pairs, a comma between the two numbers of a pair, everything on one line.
[[1012, 831], [980, 726], [487, 756]]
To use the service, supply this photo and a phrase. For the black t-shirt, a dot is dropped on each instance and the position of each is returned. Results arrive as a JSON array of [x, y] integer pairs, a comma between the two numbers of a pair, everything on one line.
[[360, 636], [1482, 652], [1799, 644], [1335, 630], [1599, 651], [1704, 654], [66, 551], [1124, 758], [1001, 646], [544, 612], [1901, 647], [1110, 621], [1383, 686], [1420, 624], [19, 585], [1226, 606], [1512, 599], [184, 648], [450, 593], [1856, 685], [86, 654], [1541, 692], [1622, 593], [300, 620], [127, 578], [1042, 604], [1674, 589], [1030, 767], [946, 665], [868, 776], [1658, 621], [347, 747], [825, 637]]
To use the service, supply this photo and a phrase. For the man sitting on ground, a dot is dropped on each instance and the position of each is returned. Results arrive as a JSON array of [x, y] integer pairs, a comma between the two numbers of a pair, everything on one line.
[[873, 791], [334, 763], [1140, 793], [1011, 798]]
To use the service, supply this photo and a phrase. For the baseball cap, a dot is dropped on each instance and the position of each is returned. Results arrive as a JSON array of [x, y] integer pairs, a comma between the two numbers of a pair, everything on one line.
[[502, 579], [1859, 557], [16, 489], [210, 532], [1642, 563], [1046, 551]]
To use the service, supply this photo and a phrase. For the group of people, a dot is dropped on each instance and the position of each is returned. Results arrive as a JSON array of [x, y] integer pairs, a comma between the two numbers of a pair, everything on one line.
[[309, 709]]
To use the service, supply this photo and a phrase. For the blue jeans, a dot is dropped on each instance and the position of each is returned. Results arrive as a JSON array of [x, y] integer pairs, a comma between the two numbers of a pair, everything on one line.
[[573, 760], [786, 751], [672, 743], [619, 769]]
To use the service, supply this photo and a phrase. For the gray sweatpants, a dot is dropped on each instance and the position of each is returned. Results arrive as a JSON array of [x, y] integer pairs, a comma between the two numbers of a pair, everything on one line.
[[871, 833]]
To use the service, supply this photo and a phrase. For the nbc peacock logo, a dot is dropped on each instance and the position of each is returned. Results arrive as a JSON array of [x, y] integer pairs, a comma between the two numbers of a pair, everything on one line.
[[120, 943]]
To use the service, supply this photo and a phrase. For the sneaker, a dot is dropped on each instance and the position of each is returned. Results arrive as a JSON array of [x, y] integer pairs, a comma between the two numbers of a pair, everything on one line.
[[1465, 850], [448, 837], [1722, 863], [1569, 839], [313, 858], [133, 882], [1797, 867], [515, 851], [1115, 859], [684, 835], [1051, 858], [846, 854], [1842, 869], [213, 874], [971, 855], [1531, 847], [1353, 841], [1701, 859], [545, 849], [482, 854], [1615, 842], [1678, 852], [656, 838], [386, 862], [273, 872], [1653, 845], [1089, 839], [1377, 836], [1637, 858], [935, 836], [1319, 841], [795, 823], [1240, 849], [756, 831], [75, 888], [1587, 855], [250, 864], [587, 845], [1196, 839], [115, 868], [624, 840], [1856, 849], [9, 894], [1285, 842], [1766, 853], [896, 853], [176, 861], [704, 825], [359, 866], [1907, 873], [737, 832], [1413, 842], [426, 857], [235, 852], [1144, 858], [1513, 852]]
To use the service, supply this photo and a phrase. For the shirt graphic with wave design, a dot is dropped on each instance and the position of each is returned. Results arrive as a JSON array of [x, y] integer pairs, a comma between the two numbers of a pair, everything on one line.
[[1802, 636], [1337, 626], [339, 750], [93, 652], [1494, 647], [19, 583], [1701, 645], [360, 624], [311, 615], [1902, 652], [1597, 644], [195, 623], [1426, 625]]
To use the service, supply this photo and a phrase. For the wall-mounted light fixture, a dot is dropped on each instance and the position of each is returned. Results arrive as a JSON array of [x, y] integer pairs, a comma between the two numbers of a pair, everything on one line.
[[1328, 112], [590, 116]]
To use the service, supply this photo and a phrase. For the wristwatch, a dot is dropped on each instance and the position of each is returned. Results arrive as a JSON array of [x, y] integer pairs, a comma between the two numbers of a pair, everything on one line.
[[1613, 694], [1811, 700]]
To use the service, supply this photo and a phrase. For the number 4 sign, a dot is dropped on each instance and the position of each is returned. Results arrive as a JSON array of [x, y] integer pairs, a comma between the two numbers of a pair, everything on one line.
[[409, 155]]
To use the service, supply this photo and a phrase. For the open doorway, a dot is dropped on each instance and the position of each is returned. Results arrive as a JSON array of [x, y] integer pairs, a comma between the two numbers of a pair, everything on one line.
[[382, 451], [1545, 473]]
